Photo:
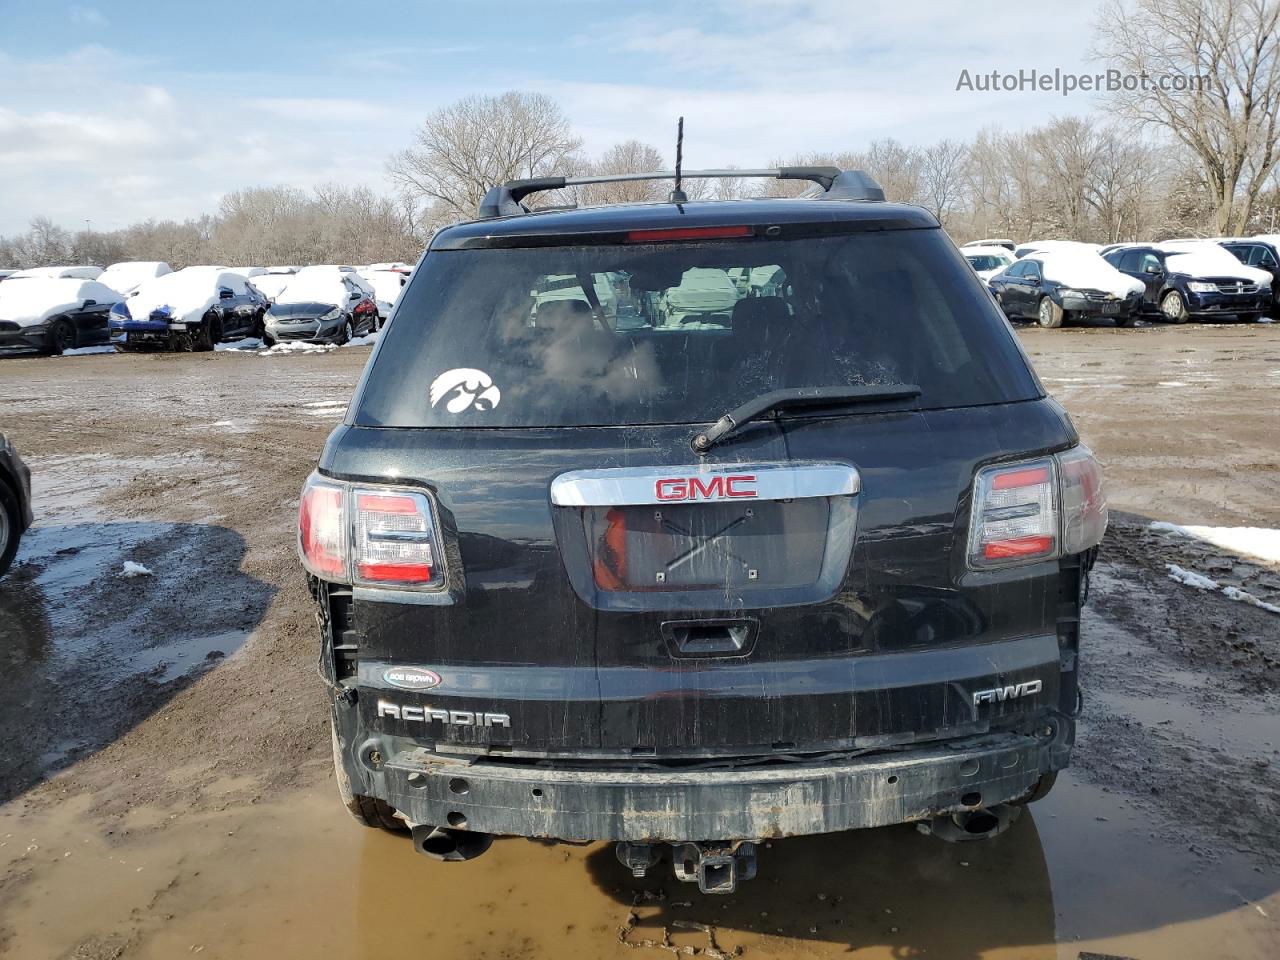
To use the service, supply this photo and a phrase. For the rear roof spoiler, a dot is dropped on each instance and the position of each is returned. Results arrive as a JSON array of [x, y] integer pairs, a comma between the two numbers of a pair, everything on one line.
[[829, 183]]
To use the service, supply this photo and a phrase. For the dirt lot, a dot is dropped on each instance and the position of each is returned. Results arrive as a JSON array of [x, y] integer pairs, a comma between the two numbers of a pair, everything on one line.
[[165, 785]]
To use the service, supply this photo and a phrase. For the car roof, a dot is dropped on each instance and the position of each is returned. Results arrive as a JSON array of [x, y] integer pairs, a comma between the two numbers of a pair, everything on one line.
[[583, 222]]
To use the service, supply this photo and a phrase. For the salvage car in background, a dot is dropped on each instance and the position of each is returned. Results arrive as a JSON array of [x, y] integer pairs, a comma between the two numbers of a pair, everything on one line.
[[987, 261], [192, 309], [83, 272], [386, 285], [323, 307], [53, 315], [1193, 279], [1071, 284], [15, 502], [126, 277]]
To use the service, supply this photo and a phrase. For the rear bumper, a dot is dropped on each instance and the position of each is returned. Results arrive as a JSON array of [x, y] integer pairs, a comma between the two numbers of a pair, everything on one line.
[[787, 799]]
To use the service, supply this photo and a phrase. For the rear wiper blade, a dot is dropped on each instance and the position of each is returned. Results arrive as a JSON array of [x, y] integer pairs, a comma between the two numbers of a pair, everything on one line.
[[798, 397]]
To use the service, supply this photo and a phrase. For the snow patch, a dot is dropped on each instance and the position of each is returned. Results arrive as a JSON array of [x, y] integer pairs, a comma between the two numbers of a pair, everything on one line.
[[83, 351], [296, 346], [248, 343], [325, 403], [1191, 578], [1260, 542], [1171, 383], [131, 569], [1200, 582], [368, 340]]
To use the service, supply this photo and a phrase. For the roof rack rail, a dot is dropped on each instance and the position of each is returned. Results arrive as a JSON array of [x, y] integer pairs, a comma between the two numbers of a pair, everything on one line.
[[829, 183]]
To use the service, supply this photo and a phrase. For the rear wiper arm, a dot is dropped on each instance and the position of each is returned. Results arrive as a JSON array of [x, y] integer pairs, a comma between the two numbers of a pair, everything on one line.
[[798, 397]]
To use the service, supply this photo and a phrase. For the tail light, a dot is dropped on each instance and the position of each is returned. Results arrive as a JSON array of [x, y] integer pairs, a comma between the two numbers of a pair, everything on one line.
[[368, 535], [1037, 510]]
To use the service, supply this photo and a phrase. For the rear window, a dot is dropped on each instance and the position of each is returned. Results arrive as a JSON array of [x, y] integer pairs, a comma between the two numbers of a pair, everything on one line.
[[684, 332]]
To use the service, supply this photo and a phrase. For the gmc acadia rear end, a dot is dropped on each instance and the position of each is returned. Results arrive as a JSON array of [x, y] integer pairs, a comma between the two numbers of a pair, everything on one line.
[[695, 524]]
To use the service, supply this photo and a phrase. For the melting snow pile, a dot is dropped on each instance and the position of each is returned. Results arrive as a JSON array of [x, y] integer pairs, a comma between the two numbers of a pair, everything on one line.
[[1259, 542], [132, 569]]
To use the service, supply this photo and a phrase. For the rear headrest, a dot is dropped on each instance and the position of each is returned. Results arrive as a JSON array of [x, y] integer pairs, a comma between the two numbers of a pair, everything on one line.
[[754, 315], [564, 316]]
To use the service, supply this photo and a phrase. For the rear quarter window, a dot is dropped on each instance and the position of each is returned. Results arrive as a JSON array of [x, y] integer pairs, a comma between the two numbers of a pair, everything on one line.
[[683, 332]]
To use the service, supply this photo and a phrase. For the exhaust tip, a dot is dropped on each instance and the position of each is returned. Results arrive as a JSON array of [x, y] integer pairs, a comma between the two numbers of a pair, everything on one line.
[[449, 845], [982, 823]]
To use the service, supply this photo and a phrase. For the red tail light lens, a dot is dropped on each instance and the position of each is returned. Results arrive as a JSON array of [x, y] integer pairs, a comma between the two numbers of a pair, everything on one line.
[[393, 538], [1038, 510], [1084, 500], [368, 536], [322, 529], [1015, 515]]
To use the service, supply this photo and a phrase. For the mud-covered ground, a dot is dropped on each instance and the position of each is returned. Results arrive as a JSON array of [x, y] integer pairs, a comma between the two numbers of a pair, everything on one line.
[[165, 785]]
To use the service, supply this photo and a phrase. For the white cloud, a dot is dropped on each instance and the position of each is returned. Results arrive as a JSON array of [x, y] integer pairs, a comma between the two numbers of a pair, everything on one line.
[[87, 17]]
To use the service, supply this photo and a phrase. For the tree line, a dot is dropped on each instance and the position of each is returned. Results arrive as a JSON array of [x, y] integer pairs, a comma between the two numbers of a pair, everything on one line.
[[1159, 164]]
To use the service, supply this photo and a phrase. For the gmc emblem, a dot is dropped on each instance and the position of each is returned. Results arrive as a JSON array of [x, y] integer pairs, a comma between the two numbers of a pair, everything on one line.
[[710, 488]]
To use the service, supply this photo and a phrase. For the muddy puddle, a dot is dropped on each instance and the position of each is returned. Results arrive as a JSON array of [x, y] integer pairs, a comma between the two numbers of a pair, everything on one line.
[[1078, 874]]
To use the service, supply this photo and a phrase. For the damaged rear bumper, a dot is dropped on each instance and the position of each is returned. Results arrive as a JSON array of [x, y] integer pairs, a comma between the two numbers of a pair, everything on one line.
[[577, 802]]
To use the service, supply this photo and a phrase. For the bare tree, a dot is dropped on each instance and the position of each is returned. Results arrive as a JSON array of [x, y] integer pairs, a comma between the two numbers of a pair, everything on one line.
[[1228, 52], [942, 176], [631, 156], [463, 149]]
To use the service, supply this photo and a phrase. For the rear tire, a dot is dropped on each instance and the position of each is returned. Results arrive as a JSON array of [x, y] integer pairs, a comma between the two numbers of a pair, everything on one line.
[[1049, 314], [1041, 789], [62, 337], [10, 527], [210, 332], [1173, 308], [367, 811]]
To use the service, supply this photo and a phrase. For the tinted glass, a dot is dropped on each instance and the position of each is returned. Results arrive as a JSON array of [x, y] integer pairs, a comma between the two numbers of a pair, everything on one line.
[[683, 332], [987, 262]]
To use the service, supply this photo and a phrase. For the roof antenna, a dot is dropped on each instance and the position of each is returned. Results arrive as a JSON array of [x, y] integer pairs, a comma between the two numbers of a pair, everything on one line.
[[678, 195]]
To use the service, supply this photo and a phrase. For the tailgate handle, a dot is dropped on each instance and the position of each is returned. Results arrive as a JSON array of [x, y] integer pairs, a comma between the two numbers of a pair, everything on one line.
[[700, 638]]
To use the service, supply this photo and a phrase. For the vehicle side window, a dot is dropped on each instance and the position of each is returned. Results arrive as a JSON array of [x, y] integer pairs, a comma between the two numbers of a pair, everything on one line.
[[1260, 257], [1131, 261], [1151, 263], [1018, 269], [1032, 270], [233, 283]]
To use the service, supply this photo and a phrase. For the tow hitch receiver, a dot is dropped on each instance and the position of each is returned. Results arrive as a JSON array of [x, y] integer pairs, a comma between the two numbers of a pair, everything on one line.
[[714, 867]]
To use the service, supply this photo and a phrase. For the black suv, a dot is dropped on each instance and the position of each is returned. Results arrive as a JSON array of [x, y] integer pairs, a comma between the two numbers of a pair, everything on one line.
[[1180, 285], [814, 563], [1261, 254]]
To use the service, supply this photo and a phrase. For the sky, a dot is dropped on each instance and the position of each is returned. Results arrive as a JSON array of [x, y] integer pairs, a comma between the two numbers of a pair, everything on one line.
[[118, 112]]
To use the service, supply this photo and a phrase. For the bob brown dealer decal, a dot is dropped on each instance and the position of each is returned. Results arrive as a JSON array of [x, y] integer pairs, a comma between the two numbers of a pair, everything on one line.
[[411, 678]]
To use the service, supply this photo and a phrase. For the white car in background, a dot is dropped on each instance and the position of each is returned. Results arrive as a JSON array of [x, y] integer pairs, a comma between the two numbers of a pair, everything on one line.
[[248, 272], [987, 261], [127, 276], [58, 273], [54, 314], [282, 268]]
